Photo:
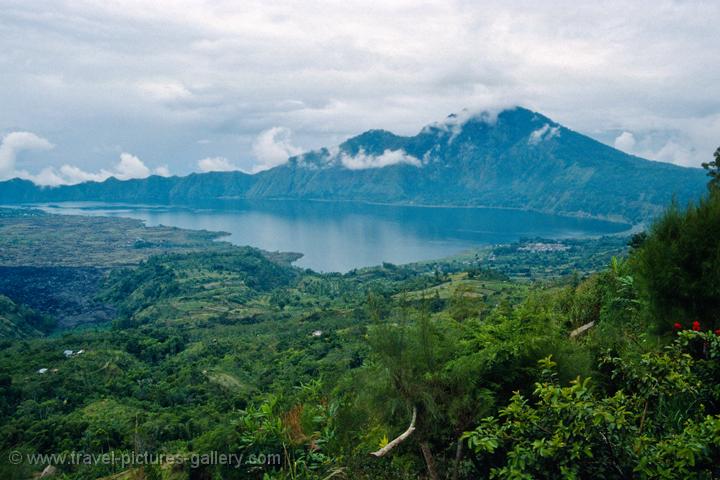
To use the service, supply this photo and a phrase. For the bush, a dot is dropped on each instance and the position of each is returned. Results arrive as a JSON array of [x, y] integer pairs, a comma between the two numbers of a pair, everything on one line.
[[659, 420]]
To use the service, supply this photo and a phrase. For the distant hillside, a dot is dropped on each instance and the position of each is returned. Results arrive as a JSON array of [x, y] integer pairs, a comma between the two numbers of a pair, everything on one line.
[[17, 321], [154, 189], [519, 159]]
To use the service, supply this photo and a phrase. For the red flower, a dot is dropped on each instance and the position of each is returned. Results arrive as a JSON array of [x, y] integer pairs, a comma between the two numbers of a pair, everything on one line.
[[717, 332], [696, 326], [677, 326]]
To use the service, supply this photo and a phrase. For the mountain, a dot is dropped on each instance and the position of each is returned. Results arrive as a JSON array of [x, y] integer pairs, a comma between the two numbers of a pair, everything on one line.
[[154, 189], [515, 159]]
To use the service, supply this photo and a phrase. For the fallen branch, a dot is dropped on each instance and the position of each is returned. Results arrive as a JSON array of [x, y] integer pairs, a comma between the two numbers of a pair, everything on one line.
[[401, 438], [582, 329]]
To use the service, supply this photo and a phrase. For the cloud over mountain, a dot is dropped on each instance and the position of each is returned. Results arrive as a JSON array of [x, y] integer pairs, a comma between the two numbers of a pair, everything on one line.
[[363, 161], [13, 144], [128, 166], [216, 164], [625, 142], [272, 148], [546, 132]]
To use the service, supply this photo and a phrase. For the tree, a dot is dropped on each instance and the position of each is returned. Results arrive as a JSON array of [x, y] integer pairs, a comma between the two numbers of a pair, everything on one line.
[[678, 265], [409, 353], [465, 303], [713, 169], [435, 377]]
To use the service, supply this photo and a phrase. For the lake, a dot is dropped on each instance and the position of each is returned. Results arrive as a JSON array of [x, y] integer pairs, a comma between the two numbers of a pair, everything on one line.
[[343, 236]]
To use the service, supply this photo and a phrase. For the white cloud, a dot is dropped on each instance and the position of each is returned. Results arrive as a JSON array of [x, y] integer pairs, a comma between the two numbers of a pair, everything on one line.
[[654, 146], [164, 91], [544, 133], [216, 164], [72, 175], [162, 171], [362, 161], [625, 142], [14, 143], [455, 122], [127, 168], [272, 148], [674, 153], [46, 177], [154, 76]]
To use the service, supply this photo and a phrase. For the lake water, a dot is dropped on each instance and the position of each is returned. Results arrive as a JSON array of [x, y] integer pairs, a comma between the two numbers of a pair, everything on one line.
[[343, 236]]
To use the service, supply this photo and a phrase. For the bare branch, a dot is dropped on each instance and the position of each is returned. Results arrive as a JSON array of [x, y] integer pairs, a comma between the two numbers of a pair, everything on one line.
[[401, 438]]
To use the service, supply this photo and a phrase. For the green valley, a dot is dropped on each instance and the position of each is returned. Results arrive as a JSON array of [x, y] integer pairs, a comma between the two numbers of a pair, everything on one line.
[[537, 359]]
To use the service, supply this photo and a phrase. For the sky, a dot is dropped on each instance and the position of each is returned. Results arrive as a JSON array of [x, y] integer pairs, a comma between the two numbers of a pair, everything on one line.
[[129, 88]]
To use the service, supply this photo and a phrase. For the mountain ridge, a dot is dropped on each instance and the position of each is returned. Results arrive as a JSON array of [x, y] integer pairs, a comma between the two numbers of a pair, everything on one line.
[[517, 159]]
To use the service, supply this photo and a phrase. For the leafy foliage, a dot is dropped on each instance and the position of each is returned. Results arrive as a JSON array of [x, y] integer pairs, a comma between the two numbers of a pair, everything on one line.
[[713, 170], [679, 265], [653, 425], [232, 350]]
